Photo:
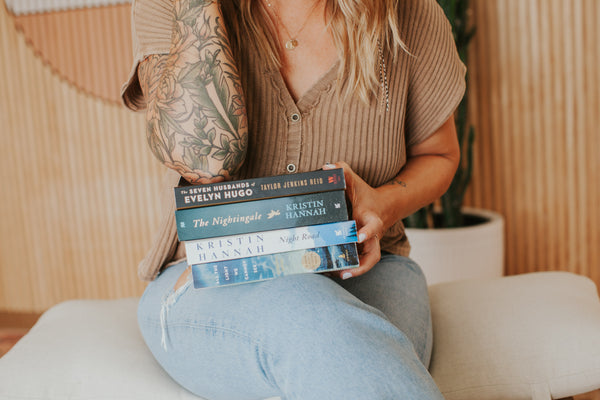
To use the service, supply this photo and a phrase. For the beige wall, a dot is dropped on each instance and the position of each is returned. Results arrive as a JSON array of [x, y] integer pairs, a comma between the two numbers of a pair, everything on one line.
[[78, 203]]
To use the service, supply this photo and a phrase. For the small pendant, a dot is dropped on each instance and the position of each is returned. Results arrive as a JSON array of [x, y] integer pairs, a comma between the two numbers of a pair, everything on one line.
[[291, 44]]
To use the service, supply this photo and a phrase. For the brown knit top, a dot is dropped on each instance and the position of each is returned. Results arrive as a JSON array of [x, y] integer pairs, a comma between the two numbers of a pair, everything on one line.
[[424, 88]]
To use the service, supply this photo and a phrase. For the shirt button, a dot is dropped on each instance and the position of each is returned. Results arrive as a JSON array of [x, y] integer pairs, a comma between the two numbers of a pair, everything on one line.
[[295, 117], [291, 168]]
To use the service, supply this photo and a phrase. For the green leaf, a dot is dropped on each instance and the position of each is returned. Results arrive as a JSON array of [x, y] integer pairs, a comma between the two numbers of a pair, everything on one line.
[[199, 125], [416, 220], [211, 136], [225, 143], [194, 141], [221, 87], [201, 98], [204, 150], [188, 75], [227, 162], [234, 145], [203, 164], [220, 155], [201, 121], [190, 16], [200, 134], [197, 3]]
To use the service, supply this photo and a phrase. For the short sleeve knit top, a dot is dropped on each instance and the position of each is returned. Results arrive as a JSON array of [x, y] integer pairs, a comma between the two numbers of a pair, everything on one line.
[[424, 89]]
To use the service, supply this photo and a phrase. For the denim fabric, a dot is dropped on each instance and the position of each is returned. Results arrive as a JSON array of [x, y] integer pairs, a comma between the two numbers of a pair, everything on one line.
[[299, 337]]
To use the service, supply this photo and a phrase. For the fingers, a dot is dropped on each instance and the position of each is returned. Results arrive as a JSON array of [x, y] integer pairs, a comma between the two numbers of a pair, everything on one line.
[[370, 254], [334, 165], [369, 224], [353, 181], [348, 172], [370, 229], [366, 214]]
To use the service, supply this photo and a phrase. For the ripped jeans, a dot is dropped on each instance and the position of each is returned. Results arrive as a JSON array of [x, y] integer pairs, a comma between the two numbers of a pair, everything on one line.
[[298, 337]]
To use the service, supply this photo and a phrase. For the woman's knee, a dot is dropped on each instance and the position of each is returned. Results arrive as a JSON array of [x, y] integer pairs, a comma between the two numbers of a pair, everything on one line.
[[352, 354]]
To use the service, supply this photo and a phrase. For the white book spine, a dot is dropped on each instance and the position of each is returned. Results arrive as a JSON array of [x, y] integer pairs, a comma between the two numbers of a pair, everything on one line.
[[269, 242]]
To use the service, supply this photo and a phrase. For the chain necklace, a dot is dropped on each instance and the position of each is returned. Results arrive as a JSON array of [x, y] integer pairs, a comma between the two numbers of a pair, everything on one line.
[[292, 42], [385, 99]]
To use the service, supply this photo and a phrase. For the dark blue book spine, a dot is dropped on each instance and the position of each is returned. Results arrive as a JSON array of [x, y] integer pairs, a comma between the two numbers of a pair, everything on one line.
[[259, 188], [260, 268], [261, 215]]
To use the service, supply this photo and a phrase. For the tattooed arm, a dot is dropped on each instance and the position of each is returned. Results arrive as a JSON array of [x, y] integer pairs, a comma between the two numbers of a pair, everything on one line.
[[196, 115]]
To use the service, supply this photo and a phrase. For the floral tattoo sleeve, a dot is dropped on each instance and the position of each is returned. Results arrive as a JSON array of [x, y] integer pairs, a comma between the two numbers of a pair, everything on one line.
[[196, 114]]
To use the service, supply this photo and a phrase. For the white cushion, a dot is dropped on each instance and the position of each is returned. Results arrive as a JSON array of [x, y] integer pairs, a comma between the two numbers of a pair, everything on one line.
[[86, 349], [532, 336], [509, 338]]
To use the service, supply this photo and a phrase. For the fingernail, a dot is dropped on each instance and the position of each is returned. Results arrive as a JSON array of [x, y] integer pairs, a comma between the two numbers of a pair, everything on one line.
[[361, 237], [346, 275], [329, 166]]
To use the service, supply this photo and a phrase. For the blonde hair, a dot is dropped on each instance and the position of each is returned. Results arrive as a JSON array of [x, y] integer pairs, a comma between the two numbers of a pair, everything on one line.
[[362, 30]]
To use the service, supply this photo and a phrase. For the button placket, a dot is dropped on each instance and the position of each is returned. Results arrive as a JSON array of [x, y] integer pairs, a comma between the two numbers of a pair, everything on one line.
[[294, 140]]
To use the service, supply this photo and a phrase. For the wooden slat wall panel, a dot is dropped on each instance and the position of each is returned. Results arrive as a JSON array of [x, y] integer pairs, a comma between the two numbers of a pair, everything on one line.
[[535, 85], [79, 198], [78, 205]]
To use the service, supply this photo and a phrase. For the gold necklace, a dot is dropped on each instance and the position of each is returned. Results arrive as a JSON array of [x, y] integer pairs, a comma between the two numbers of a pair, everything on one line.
[[292, 42]]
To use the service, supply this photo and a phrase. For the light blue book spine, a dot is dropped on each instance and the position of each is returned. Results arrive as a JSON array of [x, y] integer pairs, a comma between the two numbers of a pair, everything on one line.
[[269, 242], [260, 268]]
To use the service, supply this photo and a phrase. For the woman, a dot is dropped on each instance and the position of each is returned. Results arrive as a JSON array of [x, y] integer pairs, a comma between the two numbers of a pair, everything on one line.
[[247, 88]]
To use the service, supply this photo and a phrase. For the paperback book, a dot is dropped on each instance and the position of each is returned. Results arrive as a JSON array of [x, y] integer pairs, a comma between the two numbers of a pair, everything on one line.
[[260, 268], [269, 242], [259, 188], [261, 215]]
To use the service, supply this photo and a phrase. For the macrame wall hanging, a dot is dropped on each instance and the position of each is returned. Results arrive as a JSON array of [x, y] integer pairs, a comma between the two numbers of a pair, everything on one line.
[[86, 42]]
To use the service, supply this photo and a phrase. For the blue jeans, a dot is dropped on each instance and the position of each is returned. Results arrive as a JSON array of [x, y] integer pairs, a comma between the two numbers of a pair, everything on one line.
[[300, 337]]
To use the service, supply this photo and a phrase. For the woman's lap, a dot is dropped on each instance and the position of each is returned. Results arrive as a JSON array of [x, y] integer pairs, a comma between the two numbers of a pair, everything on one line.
[[397, 287], [301, 336]]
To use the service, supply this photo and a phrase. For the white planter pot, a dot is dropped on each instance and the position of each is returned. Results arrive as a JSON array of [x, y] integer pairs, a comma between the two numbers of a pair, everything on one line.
[[450, 254]]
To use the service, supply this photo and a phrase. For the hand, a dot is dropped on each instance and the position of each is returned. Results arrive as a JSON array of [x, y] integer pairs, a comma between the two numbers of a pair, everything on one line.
[[367, 213]]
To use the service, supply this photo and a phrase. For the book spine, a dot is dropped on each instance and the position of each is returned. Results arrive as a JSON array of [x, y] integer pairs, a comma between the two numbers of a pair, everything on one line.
[[261, 215], [269, 242], [259, 188], [260, 268]]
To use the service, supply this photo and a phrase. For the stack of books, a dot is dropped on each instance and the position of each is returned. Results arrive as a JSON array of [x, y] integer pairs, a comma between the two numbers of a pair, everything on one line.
[[257, 229]]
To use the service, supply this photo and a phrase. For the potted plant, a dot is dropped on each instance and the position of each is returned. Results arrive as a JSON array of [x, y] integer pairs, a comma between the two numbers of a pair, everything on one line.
[[448, 240]]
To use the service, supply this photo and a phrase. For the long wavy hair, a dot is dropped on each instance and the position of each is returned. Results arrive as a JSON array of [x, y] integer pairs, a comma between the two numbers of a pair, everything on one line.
[[361, 30]]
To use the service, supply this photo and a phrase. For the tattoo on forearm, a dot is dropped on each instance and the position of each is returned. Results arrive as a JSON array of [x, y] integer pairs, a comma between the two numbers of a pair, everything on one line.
[[197, 116], [397, 182]]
